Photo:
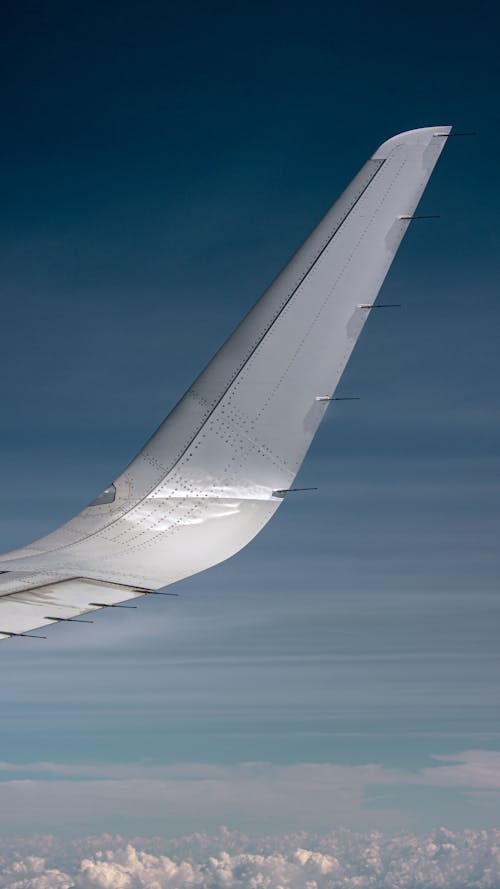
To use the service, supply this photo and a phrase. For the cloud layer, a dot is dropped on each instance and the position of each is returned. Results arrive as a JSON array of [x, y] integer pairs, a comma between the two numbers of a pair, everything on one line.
[[137, 797], [441, 859]]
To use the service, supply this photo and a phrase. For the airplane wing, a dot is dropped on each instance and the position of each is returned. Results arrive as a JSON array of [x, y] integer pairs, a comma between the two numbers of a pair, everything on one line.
[[220, 464]]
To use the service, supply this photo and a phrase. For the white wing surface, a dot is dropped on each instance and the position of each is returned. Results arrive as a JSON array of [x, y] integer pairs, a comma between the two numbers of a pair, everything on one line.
[[217, 468]]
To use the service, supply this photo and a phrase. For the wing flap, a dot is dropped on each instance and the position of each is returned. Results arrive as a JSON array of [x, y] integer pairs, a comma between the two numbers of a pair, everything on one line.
[[62, 601]]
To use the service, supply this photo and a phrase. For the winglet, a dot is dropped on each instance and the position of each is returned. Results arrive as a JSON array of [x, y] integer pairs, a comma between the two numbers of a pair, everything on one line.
[[409, 138]]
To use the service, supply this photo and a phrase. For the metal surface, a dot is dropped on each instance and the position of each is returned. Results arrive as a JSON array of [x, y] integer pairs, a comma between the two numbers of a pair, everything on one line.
[[205, 483]]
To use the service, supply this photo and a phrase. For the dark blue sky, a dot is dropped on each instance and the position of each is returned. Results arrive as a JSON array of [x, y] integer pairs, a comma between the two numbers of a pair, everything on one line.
[[159, 165]]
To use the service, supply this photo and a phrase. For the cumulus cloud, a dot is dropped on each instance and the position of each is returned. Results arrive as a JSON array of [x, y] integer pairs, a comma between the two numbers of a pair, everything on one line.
[[32, 873], [441, 859]]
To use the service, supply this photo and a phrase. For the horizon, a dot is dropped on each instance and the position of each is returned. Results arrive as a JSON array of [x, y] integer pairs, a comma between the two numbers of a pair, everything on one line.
[[161, 164]]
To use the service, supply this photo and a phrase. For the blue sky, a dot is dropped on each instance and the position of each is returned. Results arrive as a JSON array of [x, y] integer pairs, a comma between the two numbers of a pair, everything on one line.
[[160, 164]]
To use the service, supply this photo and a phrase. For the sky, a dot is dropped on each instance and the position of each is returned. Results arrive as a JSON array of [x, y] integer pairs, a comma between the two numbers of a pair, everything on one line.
[[160, 164]]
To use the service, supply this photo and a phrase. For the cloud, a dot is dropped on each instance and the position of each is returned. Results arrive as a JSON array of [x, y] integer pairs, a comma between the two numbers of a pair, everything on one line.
[[467, 768], [441, 859], [470, 769], [80, 797], [32, 873], [274, 796]]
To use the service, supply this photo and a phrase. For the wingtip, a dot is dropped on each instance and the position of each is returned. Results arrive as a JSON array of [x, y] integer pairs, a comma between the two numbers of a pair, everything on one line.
[[421, 136]]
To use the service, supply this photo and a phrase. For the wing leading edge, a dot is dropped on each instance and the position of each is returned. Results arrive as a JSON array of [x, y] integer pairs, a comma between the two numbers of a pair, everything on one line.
[[210, 477]]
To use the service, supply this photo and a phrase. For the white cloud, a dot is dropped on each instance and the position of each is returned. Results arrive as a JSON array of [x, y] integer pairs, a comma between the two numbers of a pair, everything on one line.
[[441, 859], [277, 797], [470, 769], [32, 873]]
